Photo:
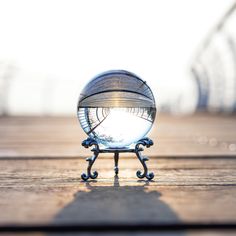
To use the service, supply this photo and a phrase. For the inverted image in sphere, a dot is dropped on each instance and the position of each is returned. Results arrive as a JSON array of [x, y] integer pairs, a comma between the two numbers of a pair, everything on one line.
[[116, 108]]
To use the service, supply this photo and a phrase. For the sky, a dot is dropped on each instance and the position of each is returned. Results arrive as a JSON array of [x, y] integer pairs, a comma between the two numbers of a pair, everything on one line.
[[73, 40]]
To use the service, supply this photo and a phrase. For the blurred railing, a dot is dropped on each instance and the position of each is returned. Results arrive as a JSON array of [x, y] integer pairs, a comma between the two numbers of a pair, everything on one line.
[[214, 67], [213, 76]]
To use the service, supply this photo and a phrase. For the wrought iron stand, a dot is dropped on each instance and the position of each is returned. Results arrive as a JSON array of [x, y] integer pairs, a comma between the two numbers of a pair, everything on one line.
[[146, 142]]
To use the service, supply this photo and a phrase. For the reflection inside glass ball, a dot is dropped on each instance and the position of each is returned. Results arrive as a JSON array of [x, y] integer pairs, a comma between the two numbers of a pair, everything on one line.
[[116, 108]]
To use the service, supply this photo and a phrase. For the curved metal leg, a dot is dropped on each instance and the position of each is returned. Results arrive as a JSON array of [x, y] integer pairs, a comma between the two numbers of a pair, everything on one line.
[[145, 142], [88, 143], [93, 175], [116, 158], [145, 173]]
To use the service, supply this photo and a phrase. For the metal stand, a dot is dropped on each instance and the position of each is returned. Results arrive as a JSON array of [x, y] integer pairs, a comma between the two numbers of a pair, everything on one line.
[[145, 142]]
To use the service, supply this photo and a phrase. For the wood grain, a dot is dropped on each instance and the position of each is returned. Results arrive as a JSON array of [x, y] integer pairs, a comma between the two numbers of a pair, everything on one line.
[[197, 135], [193, 160], [45, 191]]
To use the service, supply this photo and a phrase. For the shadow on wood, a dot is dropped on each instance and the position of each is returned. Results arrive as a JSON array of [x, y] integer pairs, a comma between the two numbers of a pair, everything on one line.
[[116, 204]]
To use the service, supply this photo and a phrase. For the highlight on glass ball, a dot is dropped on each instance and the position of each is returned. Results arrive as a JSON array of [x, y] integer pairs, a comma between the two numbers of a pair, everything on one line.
[[116, 109]]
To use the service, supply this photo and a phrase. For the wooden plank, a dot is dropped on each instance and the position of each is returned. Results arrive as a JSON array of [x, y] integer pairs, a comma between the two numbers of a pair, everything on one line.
[[41, 160], [50, 191], [198, 135]]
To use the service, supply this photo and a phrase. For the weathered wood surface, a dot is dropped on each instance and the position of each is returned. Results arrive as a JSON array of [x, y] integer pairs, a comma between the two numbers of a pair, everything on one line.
[[194, 163], [183, 190], [197, 135]]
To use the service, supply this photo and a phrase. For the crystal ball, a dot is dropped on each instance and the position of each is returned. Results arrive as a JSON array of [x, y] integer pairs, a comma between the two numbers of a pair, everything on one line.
[[116, 108]]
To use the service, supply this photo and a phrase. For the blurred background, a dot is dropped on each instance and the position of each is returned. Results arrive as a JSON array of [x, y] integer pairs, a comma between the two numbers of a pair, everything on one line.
[[186, 52], [49, 50]]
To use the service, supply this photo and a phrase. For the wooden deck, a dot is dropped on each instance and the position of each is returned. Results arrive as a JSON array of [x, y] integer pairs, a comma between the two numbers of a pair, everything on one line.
[[193, 192]]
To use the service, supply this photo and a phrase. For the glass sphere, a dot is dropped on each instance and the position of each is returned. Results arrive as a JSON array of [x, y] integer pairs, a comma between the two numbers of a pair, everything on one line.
[[116, 108]]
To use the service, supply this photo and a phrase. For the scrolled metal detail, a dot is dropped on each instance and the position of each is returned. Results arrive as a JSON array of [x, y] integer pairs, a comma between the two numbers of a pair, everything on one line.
[[88, 143], [146, 142]]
